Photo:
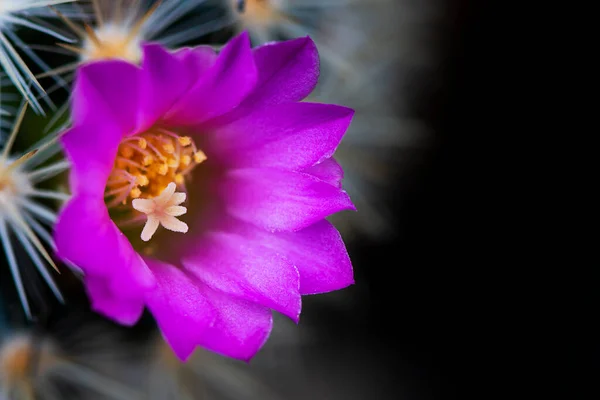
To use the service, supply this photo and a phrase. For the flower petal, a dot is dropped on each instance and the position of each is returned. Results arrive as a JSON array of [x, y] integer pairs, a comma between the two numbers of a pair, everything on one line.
[[279, 200], [86, 236], [220, 88], [197, 59], [166, 76], [91, 161], [288, 71], [107, 90], [125, 311], [329, 171], [318, 252], [190, 314], [104, 107], [250, 271], [290, 136], [164, 79]]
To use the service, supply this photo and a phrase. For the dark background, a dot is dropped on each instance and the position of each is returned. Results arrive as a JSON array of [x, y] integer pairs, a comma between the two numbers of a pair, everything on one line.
[[432, 292]]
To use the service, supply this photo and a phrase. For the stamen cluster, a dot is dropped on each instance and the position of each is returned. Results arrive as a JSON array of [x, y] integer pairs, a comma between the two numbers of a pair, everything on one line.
[[146, 164]]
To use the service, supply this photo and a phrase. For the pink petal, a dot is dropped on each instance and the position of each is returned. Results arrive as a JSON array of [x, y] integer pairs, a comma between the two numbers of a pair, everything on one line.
[[86, 236], [164, 79], [91, 160], [191, 314], [197, 59], [279, 200], [329, 171], [166, 76], [318, 252], [125, 311], [107, 92], [104, 111], [229, 263], [220, 88], [288, 71], [291, 136]]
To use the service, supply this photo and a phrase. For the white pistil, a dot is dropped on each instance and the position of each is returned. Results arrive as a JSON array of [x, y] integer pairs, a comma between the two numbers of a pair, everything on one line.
[[162, 210]]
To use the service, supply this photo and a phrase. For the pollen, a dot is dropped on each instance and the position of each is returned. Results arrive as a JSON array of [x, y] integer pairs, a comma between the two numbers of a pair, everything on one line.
[[163, 169], [185, 140], [142, 180], [148, 163], [169, 148], [135, 193], [199, 157], [147, 160]]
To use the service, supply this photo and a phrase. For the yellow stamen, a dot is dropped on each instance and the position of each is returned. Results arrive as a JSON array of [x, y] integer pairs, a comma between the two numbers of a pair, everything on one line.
[[148, 169], [199, 157], [135, 193], [163, 169], [142, 180], [173, 163], [147, 160], [169, 148], [127, 152], [185, 141], [179, 180]]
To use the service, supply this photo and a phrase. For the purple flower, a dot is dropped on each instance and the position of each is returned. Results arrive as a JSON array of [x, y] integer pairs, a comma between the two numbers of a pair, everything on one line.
[[200, 189]]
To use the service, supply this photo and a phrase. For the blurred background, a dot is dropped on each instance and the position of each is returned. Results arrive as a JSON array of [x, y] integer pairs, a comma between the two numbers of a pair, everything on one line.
[[413, 70]]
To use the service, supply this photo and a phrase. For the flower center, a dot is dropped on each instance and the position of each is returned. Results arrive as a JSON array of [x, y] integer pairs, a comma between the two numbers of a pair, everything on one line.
[[148, 169]]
